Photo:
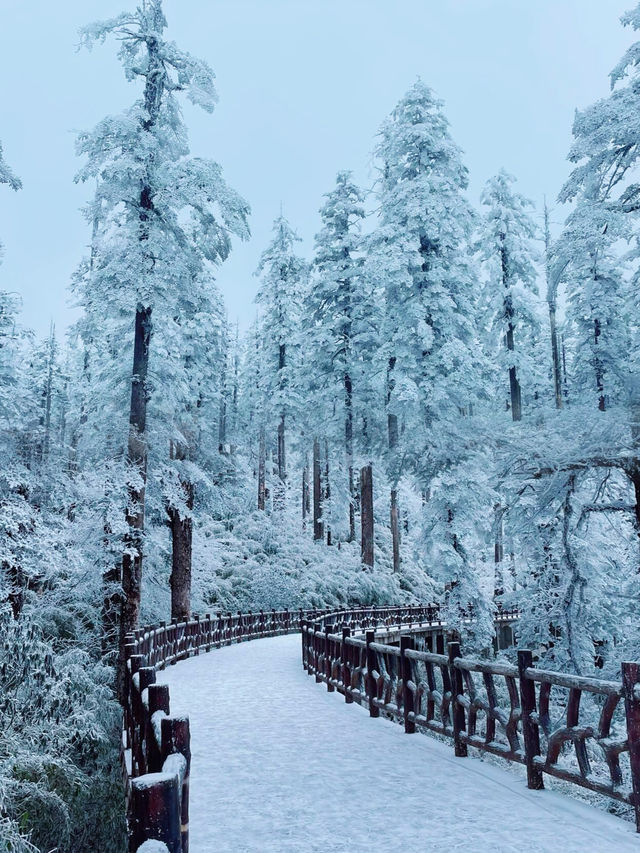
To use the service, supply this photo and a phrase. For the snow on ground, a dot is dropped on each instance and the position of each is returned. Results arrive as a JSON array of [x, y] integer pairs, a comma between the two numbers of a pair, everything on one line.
[[281, 766]]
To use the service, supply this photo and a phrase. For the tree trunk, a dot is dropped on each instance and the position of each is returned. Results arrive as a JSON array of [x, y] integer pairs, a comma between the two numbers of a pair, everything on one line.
[[306, 498], [137, 463], [282, 466], [348, 443], [137, 445], [392, 420], [262, 465], [634, 472], [181, 553], [48, 394], [555, 355], [181, 545], [318, 524], [553, 278], [514, 385], [282, 471], [366, 518], [395, 530], [327, 492], [222, 422], [498, 550], [599, 371]]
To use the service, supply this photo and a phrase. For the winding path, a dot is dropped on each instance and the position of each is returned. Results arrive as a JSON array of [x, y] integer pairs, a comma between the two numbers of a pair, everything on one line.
[[281, 766]]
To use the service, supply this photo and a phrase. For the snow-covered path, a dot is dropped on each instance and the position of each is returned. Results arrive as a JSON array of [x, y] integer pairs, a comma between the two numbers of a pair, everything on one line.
[[281, 766]]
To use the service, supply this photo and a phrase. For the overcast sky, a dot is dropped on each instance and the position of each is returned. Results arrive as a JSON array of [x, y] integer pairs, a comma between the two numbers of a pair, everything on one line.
[[304, 86]]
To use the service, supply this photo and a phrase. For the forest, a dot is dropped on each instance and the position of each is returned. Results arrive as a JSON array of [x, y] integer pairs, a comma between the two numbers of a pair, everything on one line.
[[447, 356]]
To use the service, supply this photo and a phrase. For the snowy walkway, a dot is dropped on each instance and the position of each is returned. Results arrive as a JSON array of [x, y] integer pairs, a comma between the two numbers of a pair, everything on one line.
[[281, 766]]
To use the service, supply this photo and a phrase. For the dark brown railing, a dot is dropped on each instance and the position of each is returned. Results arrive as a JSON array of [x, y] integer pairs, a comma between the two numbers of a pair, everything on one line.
[[155, 745], [520, 713]]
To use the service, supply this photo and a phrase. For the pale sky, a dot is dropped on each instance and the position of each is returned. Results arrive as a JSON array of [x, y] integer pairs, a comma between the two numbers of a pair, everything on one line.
[[303, 86]]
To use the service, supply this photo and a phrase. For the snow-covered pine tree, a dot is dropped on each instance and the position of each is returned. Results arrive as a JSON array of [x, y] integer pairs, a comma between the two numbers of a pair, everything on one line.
[[505, 244], [335, 317], [598, 299], [420, 257], [283, 280], [159, 215], [7, 176]]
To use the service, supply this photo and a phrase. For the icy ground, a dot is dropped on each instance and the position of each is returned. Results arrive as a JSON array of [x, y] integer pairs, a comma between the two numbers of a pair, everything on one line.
[[281, 766]]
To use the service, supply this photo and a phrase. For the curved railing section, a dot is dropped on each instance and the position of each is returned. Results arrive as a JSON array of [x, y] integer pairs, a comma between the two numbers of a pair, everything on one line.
[[156, 753], [520, 713]]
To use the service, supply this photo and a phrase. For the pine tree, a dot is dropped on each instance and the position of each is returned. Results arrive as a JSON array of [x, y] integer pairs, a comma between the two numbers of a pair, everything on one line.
[[336, 313], [7, 176], [283, 276], [420, 257], [506, 245], [159, 215]]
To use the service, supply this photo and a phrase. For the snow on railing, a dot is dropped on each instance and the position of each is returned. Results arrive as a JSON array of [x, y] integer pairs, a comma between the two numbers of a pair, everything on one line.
[[520, 713], [156, 754]]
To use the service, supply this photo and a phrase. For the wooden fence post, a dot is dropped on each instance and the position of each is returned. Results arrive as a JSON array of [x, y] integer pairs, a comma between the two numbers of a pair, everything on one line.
[[457, 688], [631, 691], [317, 648], [158, 701], [406, 642], [327, 657], [366, 516], [345, 656], [530, 731], [371, 686], [176, 738], [155, 811], [303, 637]]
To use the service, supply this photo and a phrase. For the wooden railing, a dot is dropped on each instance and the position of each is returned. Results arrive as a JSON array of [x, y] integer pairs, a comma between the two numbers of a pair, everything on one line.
[[519, 713], [155, 745]]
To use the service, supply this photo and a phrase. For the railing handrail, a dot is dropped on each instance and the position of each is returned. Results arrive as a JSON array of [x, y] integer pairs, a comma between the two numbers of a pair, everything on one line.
[[155, 745], [436, 691]]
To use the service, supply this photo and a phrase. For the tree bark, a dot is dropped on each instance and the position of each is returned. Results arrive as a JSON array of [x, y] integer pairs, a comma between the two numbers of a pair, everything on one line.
[[348, 443], [306, 498], [181, 545], [262, 464], [327, 492], [318, 524], [392, 419], [553, 278], [48, 395], [498, 550], [222, 422], [395, 530], [366, 498], [555, 356], [514, 385], [137, 463], [282, 466], [599, 371], [181, 555], [137, 446]]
